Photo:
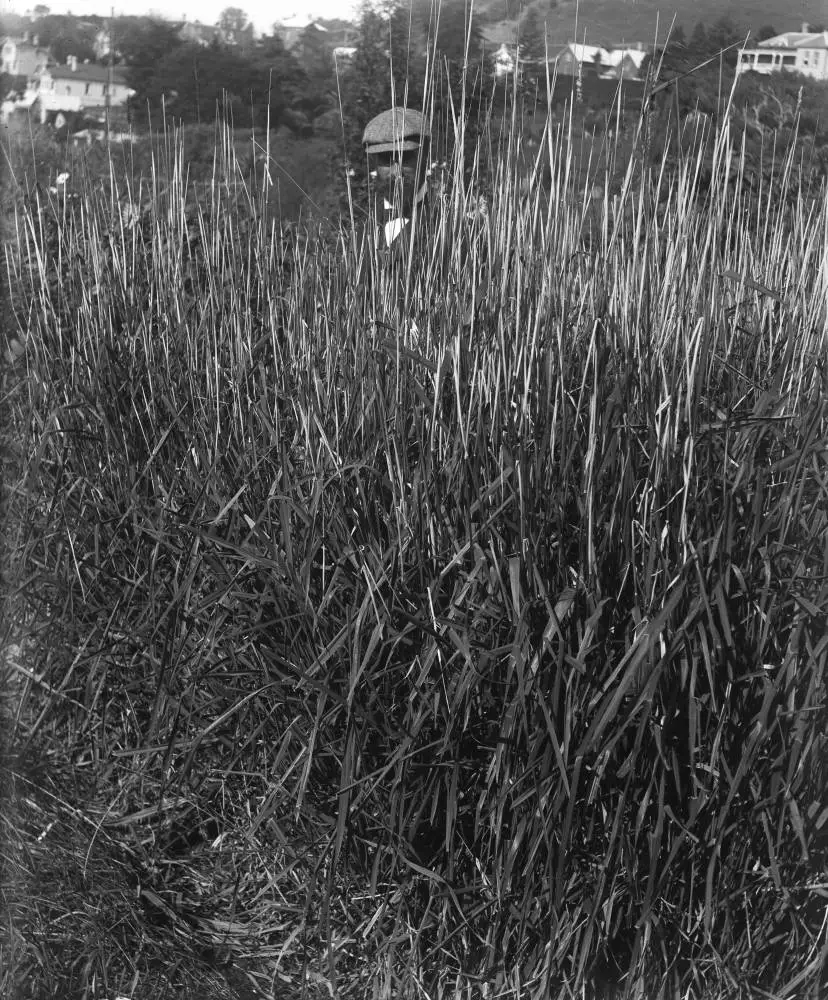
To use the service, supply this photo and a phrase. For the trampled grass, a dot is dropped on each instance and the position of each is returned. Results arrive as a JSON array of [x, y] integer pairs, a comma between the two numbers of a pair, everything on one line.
[[454, 627]]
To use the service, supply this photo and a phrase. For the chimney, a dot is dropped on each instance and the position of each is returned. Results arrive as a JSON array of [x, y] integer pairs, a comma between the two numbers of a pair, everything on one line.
[[806, 28], [72, 63]]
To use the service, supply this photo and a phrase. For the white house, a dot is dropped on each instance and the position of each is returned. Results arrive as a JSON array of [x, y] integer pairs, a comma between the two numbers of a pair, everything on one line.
[[504, 60], [21, 56], [803, 52], [78, 86], [196, 33], [102, 45], [577, 59], [624, 64], [291, 29], [344, 53]]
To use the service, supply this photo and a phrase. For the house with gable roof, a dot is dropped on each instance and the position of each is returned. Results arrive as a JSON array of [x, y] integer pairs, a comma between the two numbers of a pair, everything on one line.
[[196, 33], [624, 64], [291, 29], [504, 60], [579, 59], [77, 87], [576, 60], [803, 52], [22, 56]]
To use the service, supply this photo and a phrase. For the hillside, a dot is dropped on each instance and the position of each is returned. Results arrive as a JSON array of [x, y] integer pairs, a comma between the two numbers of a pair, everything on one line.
[[605, 21]]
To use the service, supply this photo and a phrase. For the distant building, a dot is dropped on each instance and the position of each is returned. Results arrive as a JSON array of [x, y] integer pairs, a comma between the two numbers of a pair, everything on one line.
[[87, 136], [22, 59], [102, 45], [77, 87], [610, 64], [291, 29], [196, 33], [803, 52], [577, 59], [23, 56], [344, 53], [504, 60], [624, 64]]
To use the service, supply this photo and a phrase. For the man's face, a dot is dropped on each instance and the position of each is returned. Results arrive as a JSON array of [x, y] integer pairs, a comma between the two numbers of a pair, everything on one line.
[[398, 177]]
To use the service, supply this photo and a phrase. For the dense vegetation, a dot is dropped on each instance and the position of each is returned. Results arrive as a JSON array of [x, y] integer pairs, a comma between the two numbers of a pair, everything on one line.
[[307, 97], [446, 629], [649, 21]]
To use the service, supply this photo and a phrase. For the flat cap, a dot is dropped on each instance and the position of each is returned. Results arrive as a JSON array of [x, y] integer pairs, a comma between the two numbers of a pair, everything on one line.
[[395, 130]]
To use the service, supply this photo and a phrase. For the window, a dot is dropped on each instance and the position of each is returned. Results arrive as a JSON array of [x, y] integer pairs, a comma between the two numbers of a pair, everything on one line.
[[68, 89], [765, 58], [789, 60], [86, 91]]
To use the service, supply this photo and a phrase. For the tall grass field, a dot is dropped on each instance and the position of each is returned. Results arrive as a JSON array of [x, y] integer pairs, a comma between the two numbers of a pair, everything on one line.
[[447, 627]]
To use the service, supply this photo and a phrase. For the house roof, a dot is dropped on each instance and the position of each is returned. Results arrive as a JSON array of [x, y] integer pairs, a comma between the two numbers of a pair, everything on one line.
[[23, 47], [299, 21], [616, 56], [797, 40], [586, 53], [194, 29], [88, 72], [29, 59]]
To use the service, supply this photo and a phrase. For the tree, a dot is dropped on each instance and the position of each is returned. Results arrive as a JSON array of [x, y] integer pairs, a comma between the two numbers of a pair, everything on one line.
[[144, 43], [699, 46], [532, 41], [384, 71], [235, 27], [40, 10], [314, 73], [199, 83], [722, 35], [458, 33], [65, 37], [672, 58], [284, 78], [765, 32]]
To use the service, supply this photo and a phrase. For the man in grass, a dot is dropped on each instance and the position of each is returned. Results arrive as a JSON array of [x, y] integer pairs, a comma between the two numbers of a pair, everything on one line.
[[406, 193], [397, 143]]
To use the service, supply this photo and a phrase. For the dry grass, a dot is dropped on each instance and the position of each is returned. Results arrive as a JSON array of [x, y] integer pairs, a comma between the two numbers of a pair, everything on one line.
[[446, 629]]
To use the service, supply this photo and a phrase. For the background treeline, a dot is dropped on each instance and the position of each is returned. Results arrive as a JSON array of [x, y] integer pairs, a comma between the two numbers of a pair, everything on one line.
[[316, 105]]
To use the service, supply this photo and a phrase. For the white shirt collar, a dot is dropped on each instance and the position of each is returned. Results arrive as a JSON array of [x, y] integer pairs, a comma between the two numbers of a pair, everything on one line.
[[394, 227]]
